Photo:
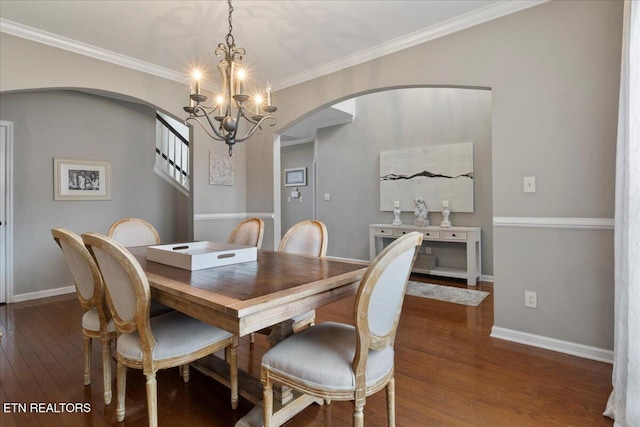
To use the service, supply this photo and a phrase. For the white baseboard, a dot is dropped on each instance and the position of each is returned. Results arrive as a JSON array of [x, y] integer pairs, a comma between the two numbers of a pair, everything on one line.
[[574, 349], [545, 222], [44, 294]]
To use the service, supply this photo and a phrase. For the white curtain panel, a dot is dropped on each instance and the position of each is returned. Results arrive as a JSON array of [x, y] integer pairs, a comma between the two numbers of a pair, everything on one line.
[[624, 403]]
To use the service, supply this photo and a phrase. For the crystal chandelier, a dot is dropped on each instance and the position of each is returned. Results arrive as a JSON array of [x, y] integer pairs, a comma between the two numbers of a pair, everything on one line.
[[231, 105]]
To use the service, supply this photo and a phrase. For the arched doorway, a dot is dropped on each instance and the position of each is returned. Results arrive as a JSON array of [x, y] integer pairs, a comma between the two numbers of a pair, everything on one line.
[[343, 180]]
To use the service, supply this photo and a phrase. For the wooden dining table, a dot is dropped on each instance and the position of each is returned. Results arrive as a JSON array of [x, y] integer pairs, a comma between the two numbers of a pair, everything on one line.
[[247, 297]]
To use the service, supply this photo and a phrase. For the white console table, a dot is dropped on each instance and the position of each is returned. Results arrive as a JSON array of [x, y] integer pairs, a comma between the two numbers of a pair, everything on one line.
[[470, 236]]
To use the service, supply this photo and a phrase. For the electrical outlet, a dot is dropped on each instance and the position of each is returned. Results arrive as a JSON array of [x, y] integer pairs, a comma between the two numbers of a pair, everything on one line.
[[531, 299]]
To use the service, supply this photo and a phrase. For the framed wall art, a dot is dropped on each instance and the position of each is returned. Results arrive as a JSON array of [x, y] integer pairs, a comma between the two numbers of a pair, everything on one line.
[[295, 177], [81, 179], [436, 173], [221, 170]]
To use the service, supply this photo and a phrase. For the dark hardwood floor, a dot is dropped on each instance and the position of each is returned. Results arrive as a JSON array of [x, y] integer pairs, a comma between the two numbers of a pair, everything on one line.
[[449, 372]]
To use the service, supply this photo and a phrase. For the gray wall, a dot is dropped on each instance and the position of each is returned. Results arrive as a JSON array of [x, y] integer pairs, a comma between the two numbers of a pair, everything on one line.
[[300, 209], [76, 125], [349, 162], [554, 72], [216, 200]]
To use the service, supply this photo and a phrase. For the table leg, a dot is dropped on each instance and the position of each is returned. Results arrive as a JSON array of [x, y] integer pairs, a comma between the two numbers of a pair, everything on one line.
[[286, 403], [281, 413]]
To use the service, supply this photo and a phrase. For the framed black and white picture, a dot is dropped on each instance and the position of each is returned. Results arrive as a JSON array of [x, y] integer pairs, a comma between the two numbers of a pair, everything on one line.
[[295, 177], [81, 179], [437, 173]]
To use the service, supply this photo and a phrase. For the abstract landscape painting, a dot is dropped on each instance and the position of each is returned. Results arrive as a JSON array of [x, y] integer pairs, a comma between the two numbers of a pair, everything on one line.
[[436, 173]]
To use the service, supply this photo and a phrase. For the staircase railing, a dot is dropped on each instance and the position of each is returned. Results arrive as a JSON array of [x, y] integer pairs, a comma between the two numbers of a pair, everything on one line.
[[172, 153]]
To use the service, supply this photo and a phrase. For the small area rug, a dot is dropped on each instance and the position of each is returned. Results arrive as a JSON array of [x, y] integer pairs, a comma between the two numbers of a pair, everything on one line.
[[446, 293]]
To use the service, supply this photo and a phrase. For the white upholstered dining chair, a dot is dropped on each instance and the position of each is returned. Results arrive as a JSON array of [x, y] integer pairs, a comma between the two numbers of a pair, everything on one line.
[[131, 232], [248, 233], [134, 232], [96, 320], [307, 237], [334, 361], [151, 343]]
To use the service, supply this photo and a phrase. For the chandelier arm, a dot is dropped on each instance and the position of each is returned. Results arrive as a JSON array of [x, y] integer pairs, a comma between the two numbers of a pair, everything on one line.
[[250, 120], [250, 116], [221, 136], [256, 120], [214, 137], [255, 127], [206, 109]]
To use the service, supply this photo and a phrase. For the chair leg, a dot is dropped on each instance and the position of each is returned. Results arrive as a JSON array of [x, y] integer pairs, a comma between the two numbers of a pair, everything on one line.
[[358, 408], [184, 372], [267, 400], [358, 416], [87, 360], [121, 379], [233, 372], [152, 399], [106, 370], [391, 402], [252, 337]]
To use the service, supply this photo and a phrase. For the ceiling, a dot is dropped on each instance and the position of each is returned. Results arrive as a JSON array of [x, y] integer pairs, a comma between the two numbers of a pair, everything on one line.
[[287, 42]]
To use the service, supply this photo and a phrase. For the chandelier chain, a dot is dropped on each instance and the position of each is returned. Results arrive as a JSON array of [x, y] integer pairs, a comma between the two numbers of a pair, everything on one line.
[[229, 38]]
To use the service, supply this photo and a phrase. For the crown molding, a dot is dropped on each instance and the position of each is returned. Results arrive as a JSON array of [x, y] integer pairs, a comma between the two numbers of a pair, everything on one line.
[[85, 49], [488, 13], [471, 19]]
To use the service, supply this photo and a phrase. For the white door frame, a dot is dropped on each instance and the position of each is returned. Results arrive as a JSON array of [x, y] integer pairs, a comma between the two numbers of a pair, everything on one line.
[[277, 183], [6, 213], [277, 210]]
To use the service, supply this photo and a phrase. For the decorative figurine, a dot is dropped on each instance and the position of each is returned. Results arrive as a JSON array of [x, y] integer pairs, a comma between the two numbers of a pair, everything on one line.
[[421, 212], [396, 213], [445, 215]]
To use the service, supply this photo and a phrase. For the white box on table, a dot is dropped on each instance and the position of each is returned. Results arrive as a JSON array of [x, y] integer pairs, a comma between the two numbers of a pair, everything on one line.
[[200, 255]]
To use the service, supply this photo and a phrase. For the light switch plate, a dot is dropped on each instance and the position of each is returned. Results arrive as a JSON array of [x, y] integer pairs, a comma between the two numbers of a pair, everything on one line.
[[529, 184]]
